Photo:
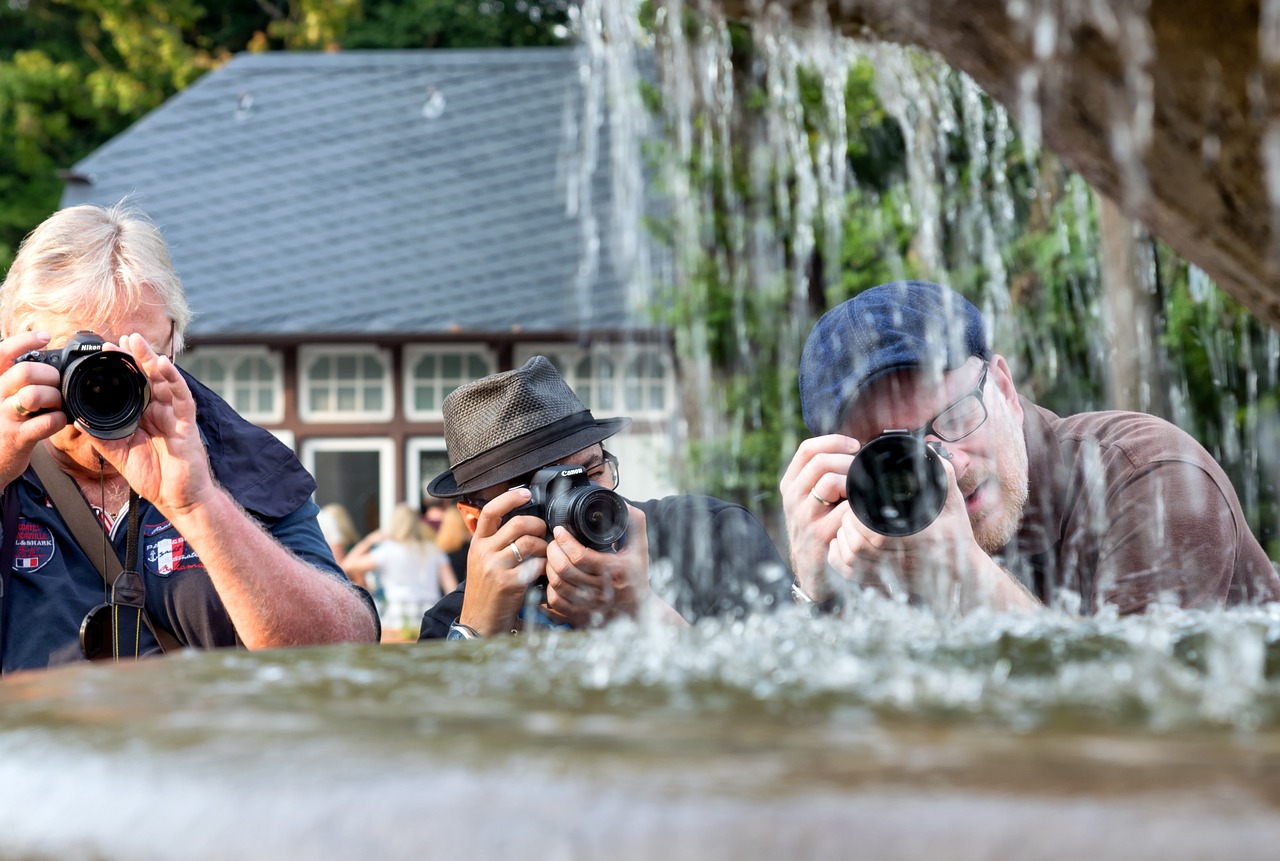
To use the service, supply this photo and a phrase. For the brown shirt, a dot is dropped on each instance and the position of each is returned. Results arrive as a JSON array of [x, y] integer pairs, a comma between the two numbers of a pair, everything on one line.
[[1124, 508]]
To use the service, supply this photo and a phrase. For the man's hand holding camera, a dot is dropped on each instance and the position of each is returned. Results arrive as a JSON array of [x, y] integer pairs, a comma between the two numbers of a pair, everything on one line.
[[586, 585], [589, 587], [940, 564], [164, 459], [506, 556], [31, 400], [812, 493]]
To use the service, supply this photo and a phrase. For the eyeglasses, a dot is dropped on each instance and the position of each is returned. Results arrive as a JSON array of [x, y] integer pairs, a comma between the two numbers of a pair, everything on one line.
[[961, 418], [606, 474]]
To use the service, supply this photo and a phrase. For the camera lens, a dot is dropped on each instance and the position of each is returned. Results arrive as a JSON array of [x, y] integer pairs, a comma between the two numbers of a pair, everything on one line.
[[105, 394], [896, 484], [595, 516]]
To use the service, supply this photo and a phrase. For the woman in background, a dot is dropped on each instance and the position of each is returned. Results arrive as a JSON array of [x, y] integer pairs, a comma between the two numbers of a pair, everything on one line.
[[454, 538], [412, 572], [338, 529]]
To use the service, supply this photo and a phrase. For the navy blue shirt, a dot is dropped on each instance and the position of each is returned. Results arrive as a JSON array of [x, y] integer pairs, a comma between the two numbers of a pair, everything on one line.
[[54, 583]]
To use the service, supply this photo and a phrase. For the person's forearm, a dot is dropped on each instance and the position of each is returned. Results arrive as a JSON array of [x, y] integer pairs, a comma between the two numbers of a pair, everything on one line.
[[996, 588], [273, 597]]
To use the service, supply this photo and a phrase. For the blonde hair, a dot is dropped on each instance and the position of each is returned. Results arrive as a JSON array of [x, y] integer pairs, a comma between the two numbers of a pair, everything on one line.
[[407, 527], [342, 519], [453, 531], [93, 262]]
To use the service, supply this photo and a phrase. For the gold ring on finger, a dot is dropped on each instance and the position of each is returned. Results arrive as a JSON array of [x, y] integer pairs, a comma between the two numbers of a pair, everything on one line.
[[18, 408]]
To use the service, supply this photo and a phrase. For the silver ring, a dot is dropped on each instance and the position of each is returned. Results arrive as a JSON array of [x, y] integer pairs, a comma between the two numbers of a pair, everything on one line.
[[515, 551], [814, 494]]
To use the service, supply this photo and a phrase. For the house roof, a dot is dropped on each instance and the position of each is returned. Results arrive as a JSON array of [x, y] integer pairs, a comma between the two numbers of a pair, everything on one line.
[[375, 192]]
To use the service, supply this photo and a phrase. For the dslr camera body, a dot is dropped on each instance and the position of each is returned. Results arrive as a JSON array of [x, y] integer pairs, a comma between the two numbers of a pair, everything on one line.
[[103, 391], [564, 496], [896, 484]]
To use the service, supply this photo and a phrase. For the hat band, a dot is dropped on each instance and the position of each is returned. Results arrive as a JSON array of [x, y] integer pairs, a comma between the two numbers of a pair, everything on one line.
[[471, 468]]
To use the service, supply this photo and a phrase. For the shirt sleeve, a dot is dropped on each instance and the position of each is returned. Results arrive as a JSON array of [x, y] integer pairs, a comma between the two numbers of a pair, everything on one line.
[[709, 557], [436, 621], [300, 532], [1170, 533]]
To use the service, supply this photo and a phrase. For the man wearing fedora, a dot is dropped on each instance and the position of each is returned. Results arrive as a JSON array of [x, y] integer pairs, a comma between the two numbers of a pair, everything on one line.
[[681, 558]]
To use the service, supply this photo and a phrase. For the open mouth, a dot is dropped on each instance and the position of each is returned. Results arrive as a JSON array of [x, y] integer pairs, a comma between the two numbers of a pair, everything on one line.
[[973, 499]]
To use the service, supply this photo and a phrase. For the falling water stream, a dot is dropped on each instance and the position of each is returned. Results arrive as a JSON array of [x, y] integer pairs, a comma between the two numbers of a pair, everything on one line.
[[890, 733]]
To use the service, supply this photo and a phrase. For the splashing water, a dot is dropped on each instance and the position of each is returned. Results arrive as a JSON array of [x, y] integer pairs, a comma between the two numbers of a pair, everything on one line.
[[641, 739]]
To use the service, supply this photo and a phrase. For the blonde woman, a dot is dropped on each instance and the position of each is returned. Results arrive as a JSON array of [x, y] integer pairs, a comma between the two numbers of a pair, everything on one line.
[[338, 528], [411, 570]]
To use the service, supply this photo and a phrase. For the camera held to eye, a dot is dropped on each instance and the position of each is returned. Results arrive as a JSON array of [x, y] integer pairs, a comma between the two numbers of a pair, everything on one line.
[[897, 484], [103, 391], [564, 496]]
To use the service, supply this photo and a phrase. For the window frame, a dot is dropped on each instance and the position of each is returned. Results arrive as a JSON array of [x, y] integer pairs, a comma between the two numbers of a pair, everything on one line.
[[621, 356], [308, 355], [231, 357], [414, 353]]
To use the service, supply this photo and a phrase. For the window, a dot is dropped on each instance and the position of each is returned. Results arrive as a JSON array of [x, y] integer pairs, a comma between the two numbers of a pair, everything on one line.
[[358, 472], [595, 383], [611, 380], [345, 384], [425, 458], [646, 384], [250, 379], [432, 373]]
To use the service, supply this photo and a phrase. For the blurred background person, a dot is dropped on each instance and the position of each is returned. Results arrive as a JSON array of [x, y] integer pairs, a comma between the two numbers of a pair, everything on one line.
[[454, 538], [410, 571], [433, 511], [339, 530]]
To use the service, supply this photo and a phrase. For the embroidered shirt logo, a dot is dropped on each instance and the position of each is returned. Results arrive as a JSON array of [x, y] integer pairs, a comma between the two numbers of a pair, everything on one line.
[[33, 546], [167, 555]]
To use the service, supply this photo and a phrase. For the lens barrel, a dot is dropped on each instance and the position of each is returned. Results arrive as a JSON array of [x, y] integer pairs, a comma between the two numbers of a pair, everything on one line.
[[897, 484], [104, 394], [595, 516]]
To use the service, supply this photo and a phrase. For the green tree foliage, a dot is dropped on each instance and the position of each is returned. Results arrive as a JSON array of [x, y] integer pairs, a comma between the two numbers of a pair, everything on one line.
[[436, 24], [1016, 232], [747, 288]]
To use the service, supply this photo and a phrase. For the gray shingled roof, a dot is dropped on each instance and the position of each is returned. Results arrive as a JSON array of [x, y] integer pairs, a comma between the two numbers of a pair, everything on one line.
[[307, 193]]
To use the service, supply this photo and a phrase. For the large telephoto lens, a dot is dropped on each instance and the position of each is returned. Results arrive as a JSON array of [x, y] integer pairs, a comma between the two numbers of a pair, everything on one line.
[[595, 516], [896, 484], [105, 394]]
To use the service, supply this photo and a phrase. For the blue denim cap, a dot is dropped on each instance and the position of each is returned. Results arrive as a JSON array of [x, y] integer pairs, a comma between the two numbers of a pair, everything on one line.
[[903, 325]]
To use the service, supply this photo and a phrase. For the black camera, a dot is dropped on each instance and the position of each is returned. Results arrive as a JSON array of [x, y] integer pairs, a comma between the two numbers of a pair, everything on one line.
[[896, 484], [103, 391], [564, 496]]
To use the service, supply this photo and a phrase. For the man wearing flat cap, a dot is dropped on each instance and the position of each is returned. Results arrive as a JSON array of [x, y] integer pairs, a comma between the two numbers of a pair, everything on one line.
[[1093, 509], [681, 557]]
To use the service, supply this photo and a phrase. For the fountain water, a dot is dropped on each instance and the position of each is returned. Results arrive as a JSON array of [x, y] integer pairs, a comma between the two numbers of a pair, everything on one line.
[[890, 733]]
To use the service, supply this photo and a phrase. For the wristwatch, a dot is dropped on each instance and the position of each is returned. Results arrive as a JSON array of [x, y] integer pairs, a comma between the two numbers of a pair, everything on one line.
[[459, 631], [817, 608]]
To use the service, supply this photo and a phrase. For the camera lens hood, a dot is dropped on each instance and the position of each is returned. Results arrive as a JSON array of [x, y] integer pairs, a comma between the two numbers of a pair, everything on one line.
[[596, 517], [896, 484], [104, 394]]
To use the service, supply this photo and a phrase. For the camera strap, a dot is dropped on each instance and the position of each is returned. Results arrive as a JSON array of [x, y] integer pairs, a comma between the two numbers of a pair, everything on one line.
[[8, 549], [126, 587]]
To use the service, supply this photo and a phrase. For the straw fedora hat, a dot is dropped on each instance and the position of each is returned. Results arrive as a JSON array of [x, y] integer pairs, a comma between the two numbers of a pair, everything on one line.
[[507, 425]]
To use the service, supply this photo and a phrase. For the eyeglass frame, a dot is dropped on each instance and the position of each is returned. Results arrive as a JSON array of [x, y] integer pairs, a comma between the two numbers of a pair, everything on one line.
[[610, 460], [977, 392]]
